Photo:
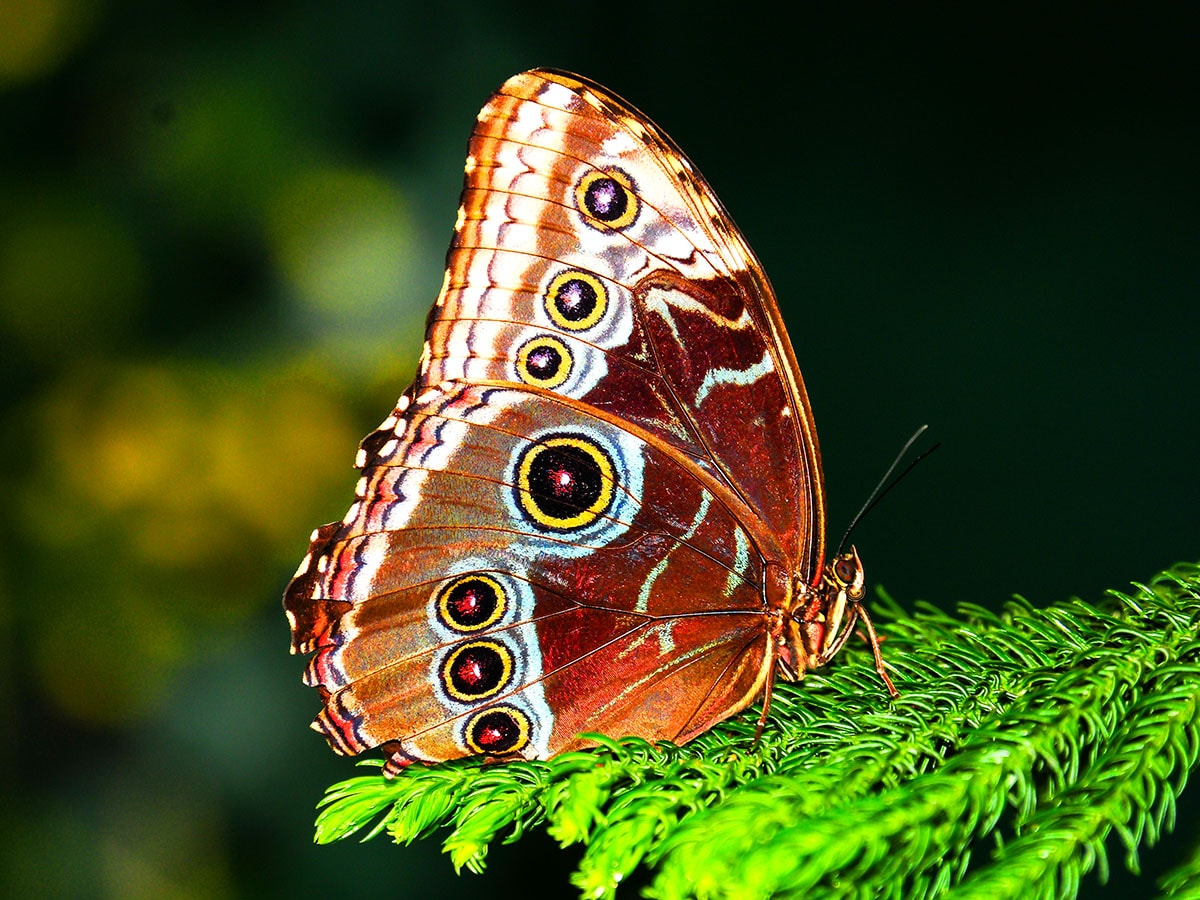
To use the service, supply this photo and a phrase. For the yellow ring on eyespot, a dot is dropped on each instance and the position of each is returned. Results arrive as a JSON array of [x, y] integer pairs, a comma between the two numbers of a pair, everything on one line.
[[564, 355], [443, 603], [560, 281], [519, 719], [506, 662], [624, 182], [582, 517]]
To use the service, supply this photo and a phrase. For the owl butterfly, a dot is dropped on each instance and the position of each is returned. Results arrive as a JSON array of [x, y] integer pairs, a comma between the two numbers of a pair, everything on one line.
[[599, 506]]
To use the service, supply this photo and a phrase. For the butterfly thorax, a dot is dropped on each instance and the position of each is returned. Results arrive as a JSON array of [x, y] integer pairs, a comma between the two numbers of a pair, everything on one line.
[[810, 620]]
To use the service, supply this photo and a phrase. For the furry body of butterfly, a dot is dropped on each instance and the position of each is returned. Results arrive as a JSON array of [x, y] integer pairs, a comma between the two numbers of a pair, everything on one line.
[[600, 505]]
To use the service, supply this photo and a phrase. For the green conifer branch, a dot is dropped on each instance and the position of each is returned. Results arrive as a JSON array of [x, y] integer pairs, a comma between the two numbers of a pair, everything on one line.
[[1020, 742], [1183, 882]]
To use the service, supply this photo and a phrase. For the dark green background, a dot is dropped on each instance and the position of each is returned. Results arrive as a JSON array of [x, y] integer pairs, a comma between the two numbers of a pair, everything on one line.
[[221, 226]]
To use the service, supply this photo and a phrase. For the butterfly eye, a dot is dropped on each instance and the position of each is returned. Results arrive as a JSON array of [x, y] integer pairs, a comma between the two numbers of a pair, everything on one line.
[[606, 199], [544, 362], [845, 570], [576, 300], [565, 483], [472, 603], [477, 670], [501, 729]]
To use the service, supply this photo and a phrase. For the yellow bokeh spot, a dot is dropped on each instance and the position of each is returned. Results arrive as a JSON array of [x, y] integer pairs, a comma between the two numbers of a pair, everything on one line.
[[68, 277], [184, 455], [37, 35], [342, 239], [170, 498]]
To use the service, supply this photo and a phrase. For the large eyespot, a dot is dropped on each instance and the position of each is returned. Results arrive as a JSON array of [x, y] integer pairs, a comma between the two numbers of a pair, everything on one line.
[[576, 300], [471, 603], [607, 199], [477, 670], [544, 362], [501, 729], [565, 483]]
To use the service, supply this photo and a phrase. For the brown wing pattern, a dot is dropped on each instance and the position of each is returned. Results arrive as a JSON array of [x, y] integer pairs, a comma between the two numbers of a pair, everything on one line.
[[691, 345], [461, 541], [563, 524]]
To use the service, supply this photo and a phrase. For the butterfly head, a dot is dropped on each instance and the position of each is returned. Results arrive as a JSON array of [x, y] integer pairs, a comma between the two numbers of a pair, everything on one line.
[[821, 620], [844, 585], [817, 625]]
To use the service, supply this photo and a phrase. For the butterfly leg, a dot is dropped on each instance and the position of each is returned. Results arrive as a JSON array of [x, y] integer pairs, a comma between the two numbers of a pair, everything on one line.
[[858, 611], [873, 639], [766, 708]]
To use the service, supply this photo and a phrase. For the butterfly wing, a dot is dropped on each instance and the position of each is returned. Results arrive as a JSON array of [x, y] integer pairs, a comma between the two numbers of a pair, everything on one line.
[[684, 336], [517, 570], [563, 524]]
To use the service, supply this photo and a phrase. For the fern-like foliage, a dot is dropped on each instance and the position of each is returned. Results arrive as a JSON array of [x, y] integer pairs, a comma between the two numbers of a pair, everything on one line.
[[1020, 742]]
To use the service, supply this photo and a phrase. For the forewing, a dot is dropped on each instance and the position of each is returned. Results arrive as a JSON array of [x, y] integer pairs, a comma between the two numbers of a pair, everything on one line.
[[684, 336]]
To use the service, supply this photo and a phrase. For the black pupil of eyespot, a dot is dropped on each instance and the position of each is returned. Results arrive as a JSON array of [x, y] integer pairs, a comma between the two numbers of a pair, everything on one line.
[[496, 731], [544, 361], [471, 602], [565, 480], [606, 199], [576, 300], [477, 670]]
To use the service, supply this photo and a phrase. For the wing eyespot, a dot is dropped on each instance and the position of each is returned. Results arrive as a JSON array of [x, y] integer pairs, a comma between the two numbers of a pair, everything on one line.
[[576, 301], [471, 603], [607, 200], [477, 670], [497, 730], [544, 361], [565, 482]]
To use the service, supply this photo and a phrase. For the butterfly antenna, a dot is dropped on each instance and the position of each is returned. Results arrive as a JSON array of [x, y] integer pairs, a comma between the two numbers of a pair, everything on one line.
[[880, 490]]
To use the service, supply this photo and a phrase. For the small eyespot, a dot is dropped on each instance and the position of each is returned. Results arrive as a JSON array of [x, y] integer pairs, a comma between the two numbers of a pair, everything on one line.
[[477, 670], [471, 603], [498, 730], [576, 300], [544, 362], [607, 200]]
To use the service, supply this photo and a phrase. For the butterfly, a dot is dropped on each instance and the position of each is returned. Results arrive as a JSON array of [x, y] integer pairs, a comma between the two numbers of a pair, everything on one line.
[[600, 505]]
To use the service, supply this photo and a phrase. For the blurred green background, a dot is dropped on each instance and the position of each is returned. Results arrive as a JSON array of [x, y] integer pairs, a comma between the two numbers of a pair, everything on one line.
[[221, 225]]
